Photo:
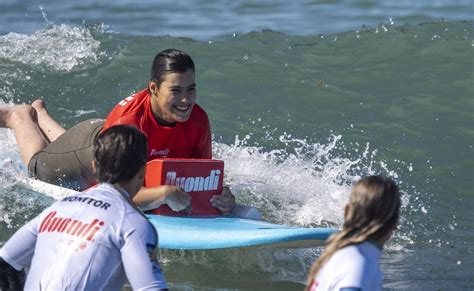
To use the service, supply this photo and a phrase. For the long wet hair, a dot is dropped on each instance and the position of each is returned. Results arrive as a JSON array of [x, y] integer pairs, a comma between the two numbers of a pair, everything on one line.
[[170, 61], [371, 214], [119, 153]]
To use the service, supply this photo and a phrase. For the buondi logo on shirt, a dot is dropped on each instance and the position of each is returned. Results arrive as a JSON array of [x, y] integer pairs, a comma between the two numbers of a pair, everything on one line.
[[159, 153], [73, 227]]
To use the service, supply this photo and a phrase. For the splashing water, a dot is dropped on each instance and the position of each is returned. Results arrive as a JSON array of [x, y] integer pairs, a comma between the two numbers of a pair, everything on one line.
[[59, 48], [18, 204], [288, 187], [308, 183], [45, 15], [303, 183]]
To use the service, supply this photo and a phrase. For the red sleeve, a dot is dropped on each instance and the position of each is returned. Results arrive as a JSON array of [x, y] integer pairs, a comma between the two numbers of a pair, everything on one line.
[[111, 119], [128, 111], [115, 118]]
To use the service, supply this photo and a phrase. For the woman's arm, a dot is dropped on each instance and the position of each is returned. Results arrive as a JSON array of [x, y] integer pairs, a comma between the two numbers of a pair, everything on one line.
[[153, 197]]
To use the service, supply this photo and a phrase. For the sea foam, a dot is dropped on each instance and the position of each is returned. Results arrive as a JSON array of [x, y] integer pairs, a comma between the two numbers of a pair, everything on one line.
[[58, 47]]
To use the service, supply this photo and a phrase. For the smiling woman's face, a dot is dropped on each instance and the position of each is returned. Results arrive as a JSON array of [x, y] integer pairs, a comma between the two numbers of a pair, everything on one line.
[[174, 99]]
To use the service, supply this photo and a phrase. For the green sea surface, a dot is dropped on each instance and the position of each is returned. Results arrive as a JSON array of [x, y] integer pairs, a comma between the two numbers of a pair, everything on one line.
[[296, 119]]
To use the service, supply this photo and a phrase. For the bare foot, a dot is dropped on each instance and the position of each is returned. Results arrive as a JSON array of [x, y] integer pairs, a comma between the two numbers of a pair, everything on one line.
[[50, 127], [5, 115], [38, 105], [19, 114]]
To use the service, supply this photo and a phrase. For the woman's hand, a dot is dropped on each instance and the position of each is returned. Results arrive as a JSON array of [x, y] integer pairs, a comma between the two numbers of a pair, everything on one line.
[[224, 202]]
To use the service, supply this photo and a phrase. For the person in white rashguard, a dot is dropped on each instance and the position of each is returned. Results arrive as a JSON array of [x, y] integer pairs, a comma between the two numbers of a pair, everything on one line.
[[94, 240], [350, 261]]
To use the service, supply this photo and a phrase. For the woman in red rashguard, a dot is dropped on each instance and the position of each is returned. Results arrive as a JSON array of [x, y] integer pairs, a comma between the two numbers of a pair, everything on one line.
[[165, 111]]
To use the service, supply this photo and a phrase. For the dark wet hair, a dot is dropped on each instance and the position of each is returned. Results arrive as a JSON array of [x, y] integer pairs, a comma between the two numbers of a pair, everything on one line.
[[170, 61], [119, 153]]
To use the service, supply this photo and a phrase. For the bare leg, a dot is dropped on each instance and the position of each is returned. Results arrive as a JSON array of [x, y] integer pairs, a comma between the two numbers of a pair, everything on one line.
[[50, 127], [22, 120]]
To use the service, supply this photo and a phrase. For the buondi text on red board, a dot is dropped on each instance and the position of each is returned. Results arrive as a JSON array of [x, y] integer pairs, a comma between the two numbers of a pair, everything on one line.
[[201, 178]]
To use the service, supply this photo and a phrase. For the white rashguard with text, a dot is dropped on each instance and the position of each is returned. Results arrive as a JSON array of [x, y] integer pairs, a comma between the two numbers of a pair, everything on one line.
[[355, 267], [95, 240]]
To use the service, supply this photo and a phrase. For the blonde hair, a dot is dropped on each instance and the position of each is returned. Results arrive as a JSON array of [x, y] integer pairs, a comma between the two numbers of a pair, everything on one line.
[[372, 213]]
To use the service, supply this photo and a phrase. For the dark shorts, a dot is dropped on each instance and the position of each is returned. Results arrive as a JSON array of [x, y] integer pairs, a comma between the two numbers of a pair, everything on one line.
[[67, 161]]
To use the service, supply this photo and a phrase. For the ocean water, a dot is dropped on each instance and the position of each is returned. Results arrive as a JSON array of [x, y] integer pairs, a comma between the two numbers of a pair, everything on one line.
[[304, 97]]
